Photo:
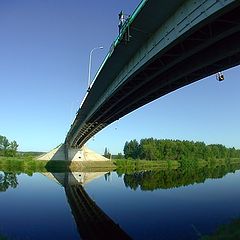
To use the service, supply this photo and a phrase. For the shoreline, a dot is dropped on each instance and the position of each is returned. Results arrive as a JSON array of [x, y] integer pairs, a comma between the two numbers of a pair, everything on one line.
[[30, 165]]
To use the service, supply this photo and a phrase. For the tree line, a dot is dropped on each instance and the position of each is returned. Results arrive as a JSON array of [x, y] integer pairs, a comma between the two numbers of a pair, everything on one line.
[[155, 149], [7, 148]]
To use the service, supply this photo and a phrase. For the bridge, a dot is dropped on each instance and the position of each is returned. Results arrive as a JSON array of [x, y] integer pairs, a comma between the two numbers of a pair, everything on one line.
[[161, 47]]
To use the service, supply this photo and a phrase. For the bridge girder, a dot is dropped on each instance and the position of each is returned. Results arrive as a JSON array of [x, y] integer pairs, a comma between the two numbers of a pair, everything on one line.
[[187, 47]]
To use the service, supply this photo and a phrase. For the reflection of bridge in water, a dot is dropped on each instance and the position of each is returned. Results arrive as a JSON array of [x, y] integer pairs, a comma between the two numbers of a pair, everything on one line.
[[91, 221]]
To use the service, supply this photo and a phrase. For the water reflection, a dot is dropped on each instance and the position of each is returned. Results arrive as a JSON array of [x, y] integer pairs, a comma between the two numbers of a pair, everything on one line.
[[229, 231], [173, 178], [91, 221], [192, 212], [7, 180]]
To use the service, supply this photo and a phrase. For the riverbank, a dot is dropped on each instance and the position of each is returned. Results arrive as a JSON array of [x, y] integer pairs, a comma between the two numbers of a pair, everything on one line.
[[30, 165], [20, 165], [130, 166]]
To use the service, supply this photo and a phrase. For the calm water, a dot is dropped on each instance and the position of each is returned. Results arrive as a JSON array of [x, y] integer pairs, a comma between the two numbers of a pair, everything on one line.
[[169, 204]]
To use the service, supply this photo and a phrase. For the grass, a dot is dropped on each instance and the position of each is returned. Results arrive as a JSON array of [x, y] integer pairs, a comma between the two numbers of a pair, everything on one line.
[[129, 166], [97, 166], [29, 165]]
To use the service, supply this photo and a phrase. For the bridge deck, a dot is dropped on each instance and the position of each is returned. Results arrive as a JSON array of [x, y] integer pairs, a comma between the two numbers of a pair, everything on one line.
[[171, 45]]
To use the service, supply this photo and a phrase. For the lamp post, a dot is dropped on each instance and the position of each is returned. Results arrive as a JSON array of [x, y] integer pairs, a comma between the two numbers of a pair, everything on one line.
[[89, 66]]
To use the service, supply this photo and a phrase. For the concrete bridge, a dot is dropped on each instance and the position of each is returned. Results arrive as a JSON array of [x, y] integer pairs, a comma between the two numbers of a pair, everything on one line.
[[161, 48]]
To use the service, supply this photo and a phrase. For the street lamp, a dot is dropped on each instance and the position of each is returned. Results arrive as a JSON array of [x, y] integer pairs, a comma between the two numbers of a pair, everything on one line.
[[89, 66]]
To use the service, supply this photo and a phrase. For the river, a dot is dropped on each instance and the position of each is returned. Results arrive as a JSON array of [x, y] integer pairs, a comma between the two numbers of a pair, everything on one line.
[[182, 203]]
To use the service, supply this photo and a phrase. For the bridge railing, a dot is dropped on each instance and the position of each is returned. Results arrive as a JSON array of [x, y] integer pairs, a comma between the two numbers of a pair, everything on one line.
[[168, 33], [116, 42]]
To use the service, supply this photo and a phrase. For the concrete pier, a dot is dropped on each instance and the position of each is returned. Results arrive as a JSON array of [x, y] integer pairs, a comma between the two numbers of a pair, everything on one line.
[[61, 153]]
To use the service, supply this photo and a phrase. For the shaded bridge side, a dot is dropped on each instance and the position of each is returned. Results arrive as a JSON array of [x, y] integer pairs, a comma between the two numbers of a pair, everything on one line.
[[203, 49]]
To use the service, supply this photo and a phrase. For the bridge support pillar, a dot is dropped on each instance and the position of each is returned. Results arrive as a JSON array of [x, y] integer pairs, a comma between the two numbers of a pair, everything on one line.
[[65, 153]]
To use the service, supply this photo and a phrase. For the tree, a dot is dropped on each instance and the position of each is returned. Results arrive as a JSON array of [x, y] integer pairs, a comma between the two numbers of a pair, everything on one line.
[[120, 156], [4, 144], [14, 145], [7, 148], [1, 143], [126, 150], [131, 149], [148, 149], [154, 149], [107, 154], [12, 149]]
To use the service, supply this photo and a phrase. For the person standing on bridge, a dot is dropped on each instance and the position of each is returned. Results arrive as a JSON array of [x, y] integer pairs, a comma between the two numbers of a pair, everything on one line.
[[121, 21], [220, 76]]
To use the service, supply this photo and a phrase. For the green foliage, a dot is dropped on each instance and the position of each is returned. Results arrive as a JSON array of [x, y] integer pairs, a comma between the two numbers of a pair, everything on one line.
[[131, 149], [118, 156], [16, 165], [29, 154], [29, 165], [154, 149], [7, 148], [107, 154], [7, 180], [131, 166]]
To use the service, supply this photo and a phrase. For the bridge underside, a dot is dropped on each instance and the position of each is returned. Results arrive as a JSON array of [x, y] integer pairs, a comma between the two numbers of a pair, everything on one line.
[[204, 50]]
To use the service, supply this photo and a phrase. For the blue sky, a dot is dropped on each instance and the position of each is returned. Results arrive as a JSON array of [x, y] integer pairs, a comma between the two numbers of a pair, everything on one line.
[[44, 53]]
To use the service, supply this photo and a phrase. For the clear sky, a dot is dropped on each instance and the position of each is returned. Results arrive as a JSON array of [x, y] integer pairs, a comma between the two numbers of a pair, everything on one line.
[[44, 54]]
